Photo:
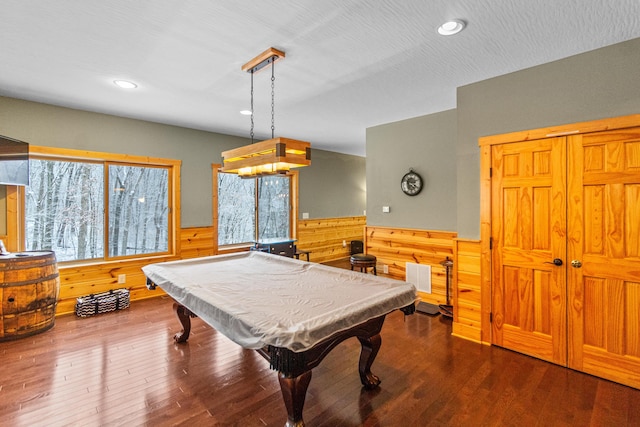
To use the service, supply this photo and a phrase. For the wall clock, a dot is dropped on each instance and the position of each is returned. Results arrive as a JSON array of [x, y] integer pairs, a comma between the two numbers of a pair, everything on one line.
[[411, 183]]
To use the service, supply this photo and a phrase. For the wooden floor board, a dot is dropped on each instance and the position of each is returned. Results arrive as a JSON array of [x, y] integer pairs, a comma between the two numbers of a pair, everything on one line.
[[123, 369]]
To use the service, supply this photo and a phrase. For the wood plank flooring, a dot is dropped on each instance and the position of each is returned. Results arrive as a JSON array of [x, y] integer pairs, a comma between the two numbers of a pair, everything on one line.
[[123, 369]]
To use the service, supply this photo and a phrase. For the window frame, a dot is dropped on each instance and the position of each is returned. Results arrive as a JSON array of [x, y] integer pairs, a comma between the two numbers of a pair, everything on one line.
[[106, 159], [293, 217]]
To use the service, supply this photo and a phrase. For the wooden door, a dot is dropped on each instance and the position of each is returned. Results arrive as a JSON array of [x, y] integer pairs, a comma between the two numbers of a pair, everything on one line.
[[604, 237], [528, 220]]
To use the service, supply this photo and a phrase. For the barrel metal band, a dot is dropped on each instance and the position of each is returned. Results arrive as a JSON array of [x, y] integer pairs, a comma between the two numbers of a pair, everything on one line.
[[29, 282]]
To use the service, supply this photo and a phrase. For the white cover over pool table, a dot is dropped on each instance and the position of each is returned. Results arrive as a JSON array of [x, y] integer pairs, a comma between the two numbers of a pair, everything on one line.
[[258, 299]]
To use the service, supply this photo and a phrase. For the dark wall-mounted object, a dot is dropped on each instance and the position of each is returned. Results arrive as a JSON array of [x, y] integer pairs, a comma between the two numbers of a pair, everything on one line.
[[357, 247], [14, 161]]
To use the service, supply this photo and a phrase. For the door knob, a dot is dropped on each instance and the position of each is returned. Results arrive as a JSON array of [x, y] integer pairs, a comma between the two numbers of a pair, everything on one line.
[[576, 264], [556, 261]]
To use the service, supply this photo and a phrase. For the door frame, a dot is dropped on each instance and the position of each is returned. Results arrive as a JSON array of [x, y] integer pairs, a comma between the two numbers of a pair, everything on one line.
[[485, 144]]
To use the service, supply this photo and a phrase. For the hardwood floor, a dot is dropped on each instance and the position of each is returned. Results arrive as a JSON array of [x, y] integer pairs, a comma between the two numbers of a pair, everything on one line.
[[122, 368]]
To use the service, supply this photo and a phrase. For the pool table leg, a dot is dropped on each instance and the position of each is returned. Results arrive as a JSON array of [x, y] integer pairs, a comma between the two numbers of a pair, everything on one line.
[[184, 316], [370, 348], [294, 391]]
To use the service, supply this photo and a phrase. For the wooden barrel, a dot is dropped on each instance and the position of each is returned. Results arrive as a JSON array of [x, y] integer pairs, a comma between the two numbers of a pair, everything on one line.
[[29, 288]]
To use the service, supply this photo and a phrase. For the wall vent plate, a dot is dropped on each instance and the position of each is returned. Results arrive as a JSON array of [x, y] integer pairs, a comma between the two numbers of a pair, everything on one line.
[[420, 276]]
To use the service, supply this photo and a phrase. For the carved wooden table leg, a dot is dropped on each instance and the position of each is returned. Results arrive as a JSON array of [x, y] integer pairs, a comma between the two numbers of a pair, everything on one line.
[[184, 315], [370, 348], [294, 391]]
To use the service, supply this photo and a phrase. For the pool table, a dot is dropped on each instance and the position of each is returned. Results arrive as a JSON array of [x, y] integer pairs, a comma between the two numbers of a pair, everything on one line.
[[292, 312]]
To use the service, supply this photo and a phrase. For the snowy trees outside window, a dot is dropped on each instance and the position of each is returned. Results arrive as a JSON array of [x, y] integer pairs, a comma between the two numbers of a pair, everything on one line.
[[66, 209], [253, 209]]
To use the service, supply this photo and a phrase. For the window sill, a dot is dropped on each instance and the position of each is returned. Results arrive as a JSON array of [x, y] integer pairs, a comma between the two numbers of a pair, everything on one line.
[[102, 262], [229, 249]]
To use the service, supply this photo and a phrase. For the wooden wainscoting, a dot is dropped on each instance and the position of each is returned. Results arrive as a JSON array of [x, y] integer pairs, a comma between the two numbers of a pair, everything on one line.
[[324, 236], [79, 280], [197, 242], [394, 247], [466, 290]]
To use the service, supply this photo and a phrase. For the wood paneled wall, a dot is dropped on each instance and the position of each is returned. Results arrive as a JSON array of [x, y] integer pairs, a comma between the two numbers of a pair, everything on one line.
[[88, 279], [324, 236], [197, 242], [394, 247], [466, 289]]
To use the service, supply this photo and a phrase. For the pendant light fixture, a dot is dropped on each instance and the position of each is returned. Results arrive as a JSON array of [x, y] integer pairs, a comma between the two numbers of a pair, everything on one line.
[[272, 156]]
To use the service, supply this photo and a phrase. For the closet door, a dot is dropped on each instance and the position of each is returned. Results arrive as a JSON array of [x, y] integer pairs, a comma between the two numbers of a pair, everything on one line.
[[604, 254], [528, 220]]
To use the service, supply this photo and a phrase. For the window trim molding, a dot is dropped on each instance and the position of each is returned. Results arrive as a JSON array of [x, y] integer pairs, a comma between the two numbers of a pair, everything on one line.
[[18, 203], [14, 218], [215, 170]]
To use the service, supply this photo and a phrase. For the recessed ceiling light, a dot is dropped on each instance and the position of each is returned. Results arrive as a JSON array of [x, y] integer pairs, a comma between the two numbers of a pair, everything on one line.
[[245, 112], [452, 27], [124, 84]]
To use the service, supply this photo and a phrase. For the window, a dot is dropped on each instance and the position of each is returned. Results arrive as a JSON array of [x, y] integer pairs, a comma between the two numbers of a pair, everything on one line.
[[274, 207], [89, 209], [64, 209], [236, 209], [138, 210], [255, 209]]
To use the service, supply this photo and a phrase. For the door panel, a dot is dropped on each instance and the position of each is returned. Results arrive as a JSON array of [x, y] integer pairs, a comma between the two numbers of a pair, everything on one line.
[[604, 236], [529, 232]]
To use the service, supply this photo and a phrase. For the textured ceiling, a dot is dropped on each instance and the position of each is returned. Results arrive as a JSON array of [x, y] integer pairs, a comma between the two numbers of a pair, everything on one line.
[[350, 64]]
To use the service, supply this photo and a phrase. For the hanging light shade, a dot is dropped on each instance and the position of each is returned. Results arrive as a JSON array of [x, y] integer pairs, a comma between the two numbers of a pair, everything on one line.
[[272, 156], [276, 155]]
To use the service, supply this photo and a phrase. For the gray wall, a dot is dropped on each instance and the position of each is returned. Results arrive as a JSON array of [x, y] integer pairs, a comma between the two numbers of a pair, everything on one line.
[[334, 185], [598, 84], [47, 125], [426, 144]]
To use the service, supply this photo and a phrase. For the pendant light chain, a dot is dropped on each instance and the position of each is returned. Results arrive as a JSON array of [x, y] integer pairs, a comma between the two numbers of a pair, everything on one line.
[[270, 156], [273, 79], [251, 133]]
